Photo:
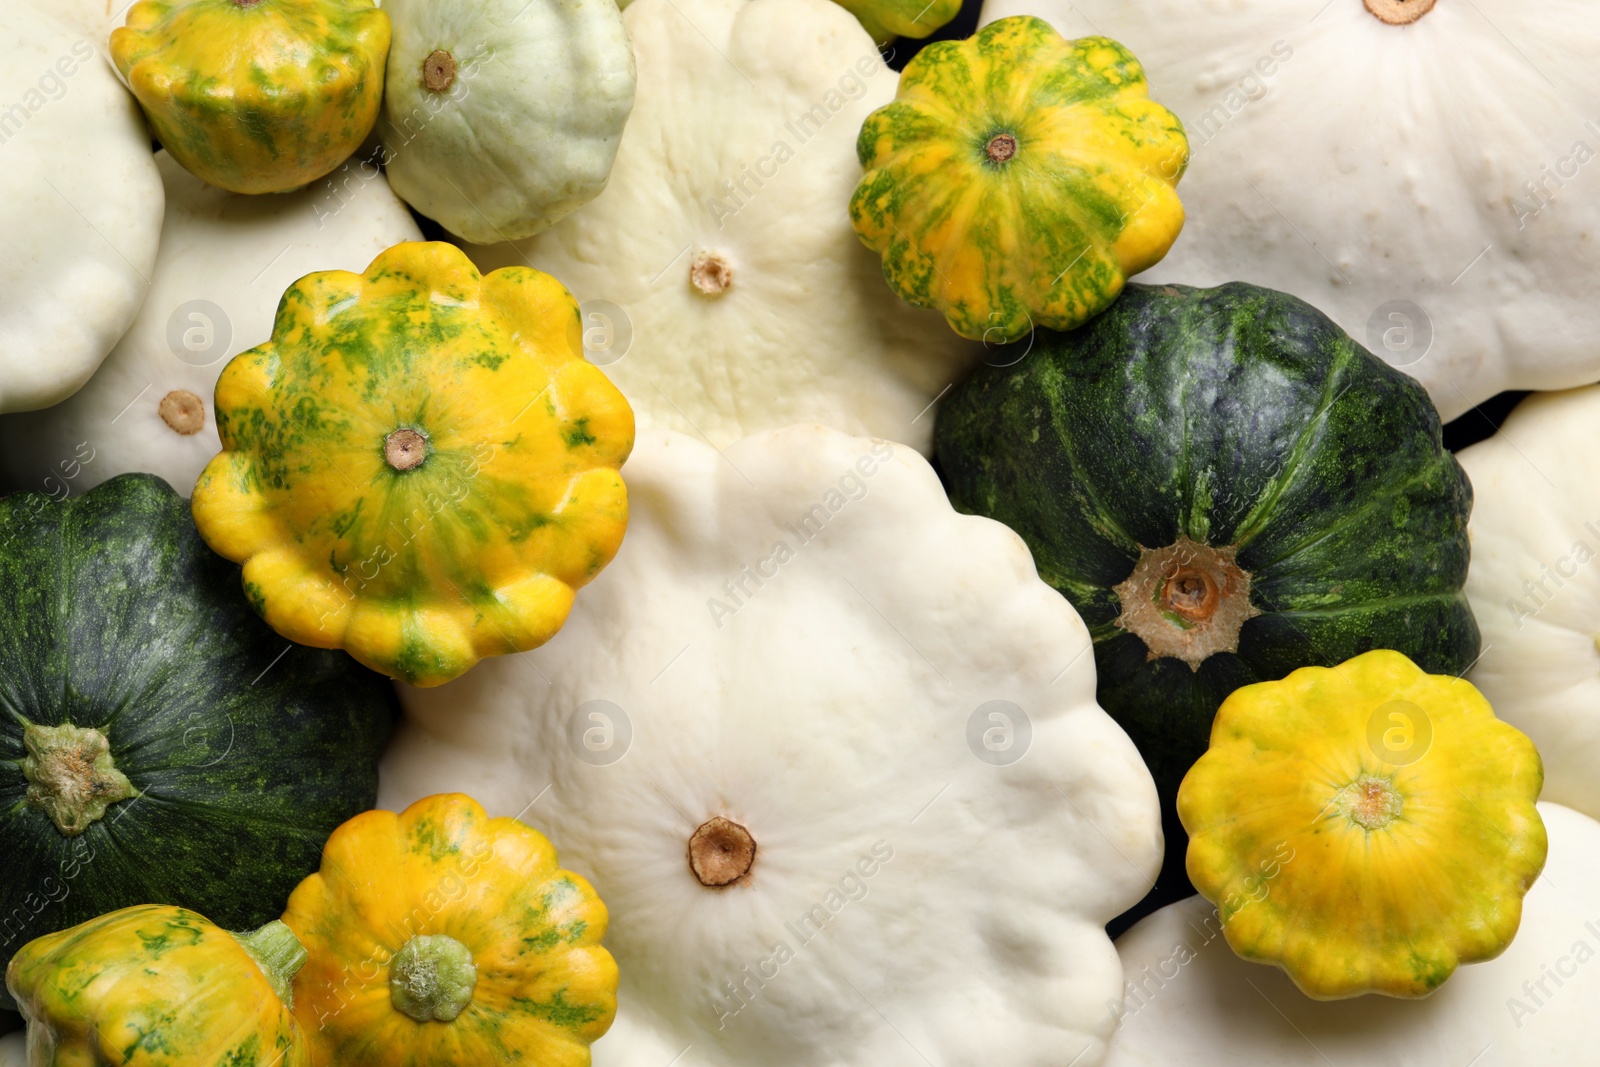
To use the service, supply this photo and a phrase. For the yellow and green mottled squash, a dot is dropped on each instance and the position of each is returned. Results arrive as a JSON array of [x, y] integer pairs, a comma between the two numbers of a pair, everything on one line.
[[420, 467], [1366, 827], [1018, 179], [888, 19], [158, 986], [256, 96], [440, 936]]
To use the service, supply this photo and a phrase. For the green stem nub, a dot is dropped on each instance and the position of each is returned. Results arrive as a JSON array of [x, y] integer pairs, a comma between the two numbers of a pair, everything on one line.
[[431, 978], [278, 953], [70, 775]]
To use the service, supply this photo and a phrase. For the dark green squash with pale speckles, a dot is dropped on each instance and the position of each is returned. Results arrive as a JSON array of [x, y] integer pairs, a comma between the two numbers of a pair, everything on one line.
[[1227, 488], [158, 742]]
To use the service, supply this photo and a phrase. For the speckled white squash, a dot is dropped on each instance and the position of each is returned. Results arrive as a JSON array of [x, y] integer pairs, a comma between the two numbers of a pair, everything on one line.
[[803, 651], [80, 207], [225, 260], [1433, 187], [502, 116], [1190, 1000], [1534, 583], [725, 291]]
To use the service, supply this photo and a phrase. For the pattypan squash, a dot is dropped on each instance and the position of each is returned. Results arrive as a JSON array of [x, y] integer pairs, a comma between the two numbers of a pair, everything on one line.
[[888, 19], [256, 96], [224, 260], [1018, 179], [474, 142], [722, 286], [149, 713], [1421, 171], [440, 937], [155, 986], [828, 750], [1190, 999], [1395, 812], [80, 207], [1535, 586], [14, 1050], [420, 467], [1227, 487]]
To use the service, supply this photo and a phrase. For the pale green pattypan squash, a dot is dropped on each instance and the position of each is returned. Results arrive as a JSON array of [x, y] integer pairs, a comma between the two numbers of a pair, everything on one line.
[[80, 206], [499, 123], [225, 260], [723, 287], [828, 750], [1190, 1000], [1422, 171]]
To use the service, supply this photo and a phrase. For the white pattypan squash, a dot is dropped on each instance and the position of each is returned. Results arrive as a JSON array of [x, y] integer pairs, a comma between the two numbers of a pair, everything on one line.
[[1434, 187], [13, 1050], [831, 755], [1190, 1000], [1534, 583], [503, 116], [225, 260], [724, 290], [80, 207]]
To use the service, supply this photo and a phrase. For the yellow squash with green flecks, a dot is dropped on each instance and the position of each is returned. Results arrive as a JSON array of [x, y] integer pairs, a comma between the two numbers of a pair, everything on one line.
[[420, 467], [888, 19], [158, 986], [1018, 179], [1366, 827], [256, 96], [440, 936]]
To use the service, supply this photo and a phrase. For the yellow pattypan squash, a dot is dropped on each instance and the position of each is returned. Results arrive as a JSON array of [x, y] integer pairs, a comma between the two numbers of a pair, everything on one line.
[[1018, 179], [256, 96], [441, 937], [1366, 827], [420, 467], [158, 986]]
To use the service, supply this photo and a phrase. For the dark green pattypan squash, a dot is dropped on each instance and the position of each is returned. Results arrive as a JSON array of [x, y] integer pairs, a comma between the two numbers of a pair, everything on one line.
[[158, 742]]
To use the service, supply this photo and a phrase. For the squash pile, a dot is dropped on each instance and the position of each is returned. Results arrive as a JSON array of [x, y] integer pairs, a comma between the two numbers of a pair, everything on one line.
[[895, 516]]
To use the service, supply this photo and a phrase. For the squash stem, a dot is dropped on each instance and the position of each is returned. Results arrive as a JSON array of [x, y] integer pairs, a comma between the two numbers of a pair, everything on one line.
[[432, 978], [278, 953], [1399, 12]]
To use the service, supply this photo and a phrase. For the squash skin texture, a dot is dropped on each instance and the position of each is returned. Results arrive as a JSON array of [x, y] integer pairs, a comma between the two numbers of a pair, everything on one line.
[[1048, 235], [888, 19], [150, 986], [821, 708], [546, 987], [1387, 902], [245, 752], [261, 97], [80, 205], [1235, 416], [1535, 587], [419, 572]]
